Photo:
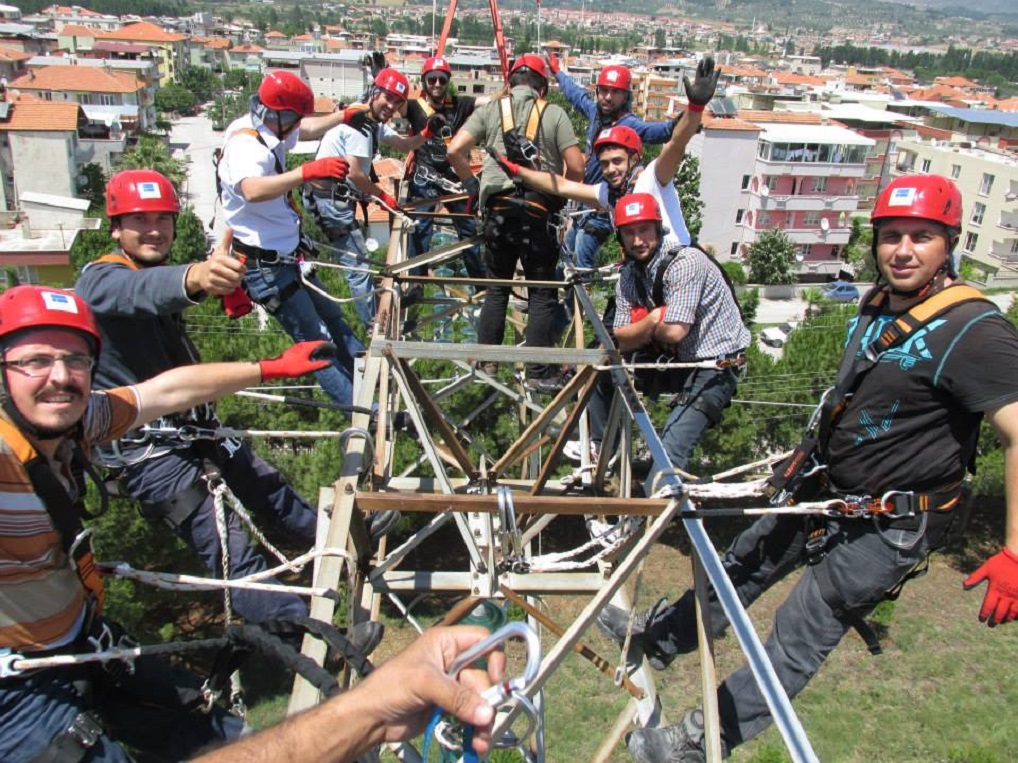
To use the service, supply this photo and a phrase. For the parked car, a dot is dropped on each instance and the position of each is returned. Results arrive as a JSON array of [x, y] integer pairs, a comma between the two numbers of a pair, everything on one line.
[[773, 336], [841, 291]]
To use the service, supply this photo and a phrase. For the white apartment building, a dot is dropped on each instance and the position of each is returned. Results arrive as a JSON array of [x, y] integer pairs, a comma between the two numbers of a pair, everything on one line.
[[988, 179]]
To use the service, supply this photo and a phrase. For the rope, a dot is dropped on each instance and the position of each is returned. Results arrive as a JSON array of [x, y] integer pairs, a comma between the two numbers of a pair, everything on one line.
[[20, 664], [223, 532], [221, 492], [609, 540], [188, 432]]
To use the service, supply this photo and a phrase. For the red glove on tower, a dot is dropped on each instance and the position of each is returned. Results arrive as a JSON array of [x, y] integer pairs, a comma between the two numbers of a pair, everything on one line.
[[327, 167], [297, 360], [1000, 604], [389, 201]]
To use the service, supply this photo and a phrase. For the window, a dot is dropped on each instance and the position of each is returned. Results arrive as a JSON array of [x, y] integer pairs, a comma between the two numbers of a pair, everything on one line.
[[986, 185], [812, 219], [745, 182], [978, 211], [971, 239], [735, 248], [764, 221], [925, 165], [805, 250], [739, 215], [955, 171], [819, 184], [1014, 246], [772, 183], [27, 274], [479, 89]]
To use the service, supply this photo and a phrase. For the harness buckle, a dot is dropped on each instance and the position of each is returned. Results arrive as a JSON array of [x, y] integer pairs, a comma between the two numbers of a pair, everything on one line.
[[85, 730], [889, 507]]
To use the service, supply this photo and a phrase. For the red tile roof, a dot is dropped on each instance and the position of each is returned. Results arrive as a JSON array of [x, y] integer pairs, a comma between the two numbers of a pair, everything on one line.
[[41, 115], [248, 49], [76, 30], [80, 79], [8, 54], [143, 31]]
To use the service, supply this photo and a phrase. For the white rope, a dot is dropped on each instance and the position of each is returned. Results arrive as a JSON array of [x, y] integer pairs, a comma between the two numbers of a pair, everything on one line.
[[219, 433], [660, 365], [171, 581], [223, 491], [223, 531], [608, 541]]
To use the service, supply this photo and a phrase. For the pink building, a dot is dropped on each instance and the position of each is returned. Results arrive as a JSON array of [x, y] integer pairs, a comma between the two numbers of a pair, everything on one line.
[[783, 170]]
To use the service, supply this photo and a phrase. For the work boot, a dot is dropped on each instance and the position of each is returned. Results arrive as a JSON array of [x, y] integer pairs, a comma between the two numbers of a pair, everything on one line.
[[365, 637], [614, 623], [381, 523], [681, 743]]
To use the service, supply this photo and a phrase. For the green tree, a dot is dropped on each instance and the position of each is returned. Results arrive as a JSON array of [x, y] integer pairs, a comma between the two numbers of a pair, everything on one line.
[[175, 99], [95, 190], [202, 82], [191, 242], [859, 252], [770, 258], [152, 154], [687, 183]]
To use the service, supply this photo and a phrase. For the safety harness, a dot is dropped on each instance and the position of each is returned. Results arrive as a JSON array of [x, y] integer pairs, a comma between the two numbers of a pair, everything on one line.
[[522, 147], [802, 474]]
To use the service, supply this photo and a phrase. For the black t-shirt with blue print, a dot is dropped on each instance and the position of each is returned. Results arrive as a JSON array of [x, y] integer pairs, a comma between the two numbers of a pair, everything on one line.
[[914, 419]]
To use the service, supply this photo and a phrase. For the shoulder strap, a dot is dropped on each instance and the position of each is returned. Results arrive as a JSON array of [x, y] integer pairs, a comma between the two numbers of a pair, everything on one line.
[[426, 106], [859, 359], [118, 258], [505, 107], [534, 120]]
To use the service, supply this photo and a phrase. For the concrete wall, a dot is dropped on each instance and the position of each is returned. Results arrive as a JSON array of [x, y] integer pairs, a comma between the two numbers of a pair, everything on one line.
[[44, 162], [725, 156]]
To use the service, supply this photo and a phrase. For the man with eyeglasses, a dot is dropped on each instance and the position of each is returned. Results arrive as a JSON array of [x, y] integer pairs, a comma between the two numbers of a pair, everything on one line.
[[440, 113], [139, 299], [610, 106], [334, 203], [51, 595], [255, 189]]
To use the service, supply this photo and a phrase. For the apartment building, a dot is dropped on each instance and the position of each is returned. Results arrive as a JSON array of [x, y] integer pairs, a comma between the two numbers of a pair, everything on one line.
[[988, 179], [169, 47], [764, 170]]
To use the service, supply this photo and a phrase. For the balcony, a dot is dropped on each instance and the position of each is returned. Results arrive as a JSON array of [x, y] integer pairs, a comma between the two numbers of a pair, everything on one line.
[[822, 169], [808, 203], [832, 236], [84, 153]]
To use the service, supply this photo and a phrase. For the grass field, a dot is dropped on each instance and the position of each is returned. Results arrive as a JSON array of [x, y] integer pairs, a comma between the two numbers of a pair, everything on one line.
[[945, 689]]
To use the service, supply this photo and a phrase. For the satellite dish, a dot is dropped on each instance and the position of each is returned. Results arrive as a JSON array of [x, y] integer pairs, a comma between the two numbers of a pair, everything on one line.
[[799, 256], [765, 190], [371, 244], [825, 224]]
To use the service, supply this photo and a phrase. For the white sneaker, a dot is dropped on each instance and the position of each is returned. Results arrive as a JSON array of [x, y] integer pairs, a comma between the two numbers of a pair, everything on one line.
[[573, 450]]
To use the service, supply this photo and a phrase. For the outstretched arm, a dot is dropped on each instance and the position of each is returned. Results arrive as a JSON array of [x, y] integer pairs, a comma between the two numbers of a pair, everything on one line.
[[546, 182], [390, 705], [699, 93]]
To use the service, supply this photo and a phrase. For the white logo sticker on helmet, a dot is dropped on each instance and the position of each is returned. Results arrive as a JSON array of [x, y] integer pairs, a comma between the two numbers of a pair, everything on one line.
[[400, 87], [611, 76], [902, 197], [62, 302], [149, 191], [633, 208], [605, 134]]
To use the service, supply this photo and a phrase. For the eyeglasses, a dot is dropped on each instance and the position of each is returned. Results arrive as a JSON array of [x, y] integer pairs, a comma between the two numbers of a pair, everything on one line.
[[42, 365], [435, 79]]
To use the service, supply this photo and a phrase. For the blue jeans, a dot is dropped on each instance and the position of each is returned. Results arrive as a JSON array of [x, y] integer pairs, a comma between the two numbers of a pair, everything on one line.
[[339, 222], [859, 565], [466, 227], [307, 315], [156, 710], [262, 491], [702, 398], [587, 236]]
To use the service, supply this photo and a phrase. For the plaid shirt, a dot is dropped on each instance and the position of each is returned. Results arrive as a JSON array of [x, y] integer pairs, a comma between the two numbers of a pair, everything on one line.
[[695, 292]]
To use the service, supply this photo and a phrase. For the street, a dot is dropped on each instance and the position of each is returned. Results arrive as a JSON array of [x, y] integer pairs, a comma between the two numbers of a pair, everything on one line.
[[193, 140]]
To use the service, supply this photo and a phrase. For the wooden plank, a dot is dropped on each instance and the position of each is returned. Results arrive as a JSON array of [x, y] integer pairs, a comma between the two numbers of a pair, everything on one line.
[[424, 503]]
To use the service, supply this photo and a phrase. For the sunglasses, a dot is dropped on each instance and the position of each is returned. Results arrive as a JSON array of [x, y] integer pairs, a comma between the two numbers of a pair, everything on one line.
[[435, 79]]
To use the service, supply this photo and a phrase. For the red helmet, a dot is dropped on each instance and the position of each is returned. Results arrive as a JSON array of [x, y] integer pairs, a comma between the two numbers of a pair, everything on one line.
[[619, 135], [530, 61], [36, 307], [436, 64], [392, 81], [930, 197], [140, 191], [618, 77], [637, 208], [285, 91]]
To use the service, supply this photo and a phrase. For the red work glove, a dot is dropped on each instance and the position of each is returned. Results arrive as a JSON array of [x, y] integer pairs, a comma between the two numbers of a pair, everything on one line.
[[434, 126], [512, 169], [326, 167], [297, 360], [553, 63], [1000, 604], [389, 201]]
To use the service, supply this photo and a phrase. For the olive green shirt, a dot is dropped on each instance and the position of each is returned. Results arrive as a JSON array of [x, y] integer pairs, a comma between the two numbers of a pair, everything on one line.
[[554, 136]]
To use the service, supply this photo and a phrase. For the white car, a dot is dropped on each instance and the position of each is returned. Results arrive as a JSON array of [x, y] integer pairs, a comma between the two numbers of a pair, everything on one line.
[[772, 336]]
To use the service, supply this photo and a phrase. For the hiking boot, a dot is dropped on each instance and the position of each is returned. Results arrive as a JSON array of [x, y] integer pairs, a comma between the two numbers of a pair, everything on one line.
[[365, 637], [381, 523], [489, 367], [614, 623], [681, 743], [413, 295], [548, 385]]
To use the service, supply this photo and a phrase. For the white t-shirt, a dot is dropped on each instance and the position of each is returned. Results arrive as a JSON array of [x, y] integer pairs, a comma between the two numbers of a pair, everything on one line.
[[667, 200], [271, 224]]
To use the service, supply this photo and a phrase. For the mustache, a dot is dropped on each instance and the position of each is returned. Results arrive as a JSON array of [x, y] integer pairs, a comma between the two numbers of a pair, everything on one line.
[[68, 388]]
